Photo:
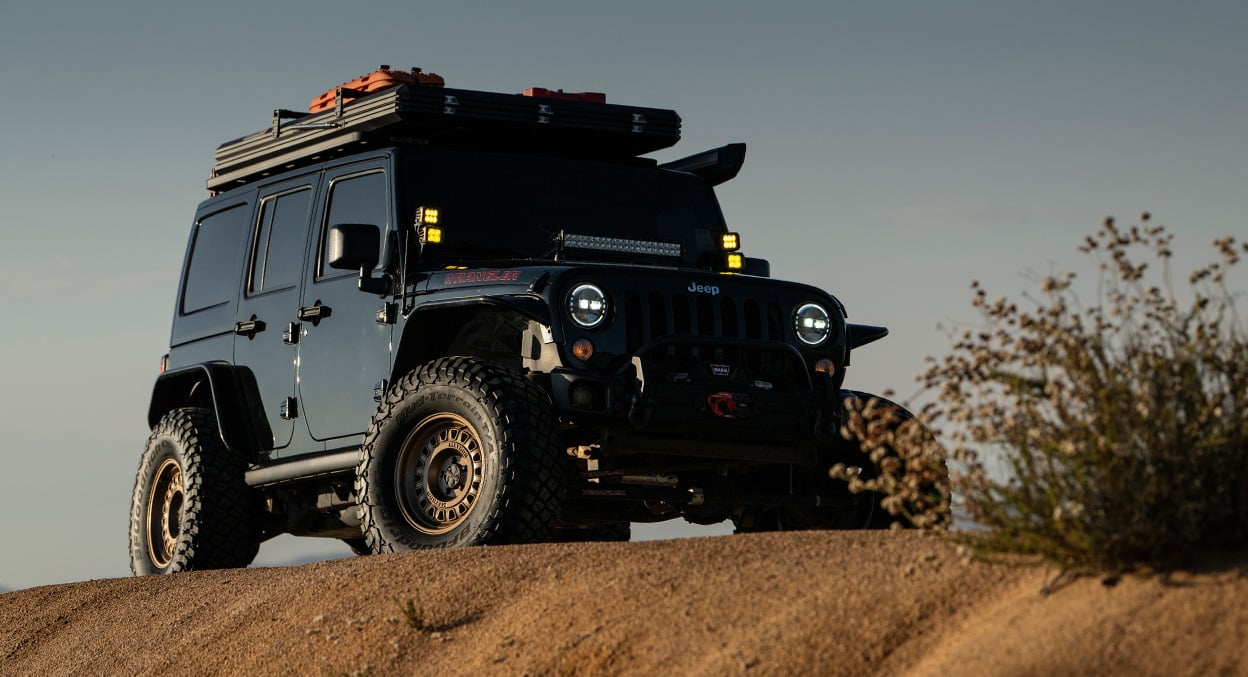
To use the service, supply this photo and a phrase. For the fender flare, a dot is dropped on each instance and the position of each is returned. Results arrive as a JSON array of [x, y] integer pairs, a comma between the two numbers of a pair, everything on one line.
[[530, 306], [860, 335], [230, 393], [409, 351]]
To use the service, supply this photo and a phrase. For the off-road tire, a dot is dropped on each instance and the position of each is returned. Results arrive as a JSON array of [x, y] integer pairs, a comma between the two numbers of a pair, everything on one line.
[[608, 532], [191, 509], [867, 512], [861, 511], [881, 518], [852, 511], [755, 520], [508, 475]]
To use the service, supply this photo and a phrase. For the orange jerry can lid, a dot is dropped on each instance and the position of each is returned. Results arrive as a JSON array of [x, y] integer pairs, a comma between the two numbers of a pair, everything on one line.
[[543, 93], [382, 78]]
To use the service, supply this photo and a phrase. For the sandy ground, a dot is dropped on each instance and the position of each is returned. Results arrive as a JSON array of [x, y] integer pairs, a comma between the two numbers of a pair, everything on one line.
[[815, 603]]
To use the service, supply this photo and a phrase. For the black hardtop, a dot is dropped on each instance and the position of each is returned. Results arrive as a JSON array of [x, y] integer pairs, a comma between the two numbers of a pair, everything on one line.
[[440, 117]]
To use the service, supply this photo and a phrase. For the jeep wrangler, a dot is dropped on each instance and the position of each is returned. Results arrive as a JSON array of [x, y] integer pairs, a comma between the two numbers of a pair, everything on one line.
[[421, 317]]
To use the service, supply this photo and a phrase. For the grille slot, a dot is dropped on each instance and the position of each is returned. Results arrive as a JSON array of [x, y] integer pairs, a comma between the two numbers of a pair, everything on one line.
[[728, 318]]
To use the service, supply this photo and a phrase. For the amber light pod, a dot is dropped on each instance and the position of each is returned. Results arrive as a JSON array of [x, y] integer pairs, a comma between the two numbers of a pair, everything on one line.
[[583, 349], [427, 225]]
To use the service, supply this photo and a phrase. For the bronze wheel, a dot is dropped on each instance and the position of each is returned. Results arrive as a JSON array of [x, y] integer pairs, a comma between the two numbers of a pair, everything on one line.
[[191, 507], [438, 473], [164, 513], [460, 452]]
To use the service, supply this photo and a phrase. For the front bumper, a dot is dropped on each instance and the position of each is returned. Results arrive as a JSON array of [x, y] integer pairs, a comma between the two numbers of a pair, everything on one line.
[[730, 399]]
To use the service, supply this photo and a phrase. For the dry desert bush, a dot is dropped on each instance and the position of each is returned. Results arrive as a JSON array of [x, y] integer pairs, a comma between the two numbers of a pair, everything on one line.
[[1120, 427]]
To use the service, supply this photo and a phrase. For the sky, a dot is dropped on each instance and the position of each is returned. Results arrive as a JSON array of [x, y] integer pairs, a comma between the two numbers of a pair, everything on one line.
[[897, 151]]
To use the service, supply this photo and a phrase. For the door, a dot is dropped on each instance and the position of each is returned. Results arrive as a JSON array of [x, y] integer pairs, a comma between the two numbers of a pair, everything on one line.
[[202, 327], [344, 353], [267, 310]]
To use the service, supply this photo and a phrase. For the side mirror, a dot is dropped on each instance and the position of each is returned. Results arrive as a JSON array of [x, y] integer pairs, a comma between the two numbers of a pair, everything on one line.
[[353, 246], [356, 246]]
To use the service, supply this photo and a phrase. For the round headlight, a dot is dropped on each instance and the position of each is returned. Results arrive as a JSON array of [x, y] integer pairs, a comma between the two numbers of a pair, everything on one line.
[[587, 305], [812, 324]]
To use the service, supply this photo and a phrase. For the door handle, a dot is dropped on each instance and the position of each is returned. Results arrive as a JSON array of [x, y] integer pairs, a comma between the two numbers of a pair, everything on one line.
[[316, 312], [249, 328]]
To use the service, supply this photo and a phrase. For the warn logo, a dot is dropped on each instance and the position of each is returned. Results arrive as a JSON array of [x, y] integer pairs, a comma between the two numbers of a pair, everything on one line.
[[703, 289]]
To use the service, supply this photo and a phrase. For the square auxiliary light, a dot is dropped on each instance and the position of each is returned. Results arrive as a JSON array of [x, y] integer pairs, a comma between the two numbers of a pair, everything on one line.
[[426, 225], [730, 242], [426, 216], [735, 261]]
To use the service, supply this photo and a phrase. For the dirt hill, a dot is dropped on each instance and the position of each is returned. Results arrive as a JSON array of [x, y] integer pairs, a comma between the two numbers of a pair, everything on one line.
[[798, 603]]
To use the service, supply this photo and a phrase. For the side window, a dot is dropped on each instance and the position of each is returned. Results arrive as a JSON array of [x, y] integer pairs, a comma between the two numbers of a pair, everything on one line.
[[354, 199], [277, 252], [212, 271]]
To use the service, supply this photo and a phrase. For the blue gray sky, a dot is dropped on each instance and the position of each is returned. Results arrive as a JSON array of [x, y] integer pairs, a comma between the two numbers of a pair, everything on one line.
[[898, 150]]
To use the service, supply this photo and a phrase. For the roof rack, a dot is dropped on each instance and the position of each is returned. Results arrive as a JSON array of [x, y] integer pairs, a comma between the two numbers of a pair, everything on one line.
[[444, 118]]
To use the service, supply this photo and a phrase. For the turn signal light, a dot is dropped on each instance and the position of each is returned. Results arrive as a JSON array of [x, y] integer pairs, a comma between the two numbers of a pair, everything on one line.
[[583, 349]]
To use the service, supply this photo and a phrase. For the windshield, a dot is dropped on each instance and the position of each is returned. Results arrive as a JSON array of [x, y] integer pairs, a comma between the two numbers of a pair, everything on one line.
[[507, 206]]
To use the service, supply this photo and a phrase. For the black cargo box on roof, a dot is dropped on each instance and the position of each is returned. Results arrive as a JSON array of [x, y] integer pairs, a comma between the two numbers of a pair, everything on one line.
[[445, 118]]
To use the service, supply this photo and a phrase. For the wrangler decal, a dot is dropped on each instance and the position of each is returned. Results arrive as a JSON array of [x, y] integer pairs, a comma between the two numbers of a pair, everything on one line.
[[476, 276]]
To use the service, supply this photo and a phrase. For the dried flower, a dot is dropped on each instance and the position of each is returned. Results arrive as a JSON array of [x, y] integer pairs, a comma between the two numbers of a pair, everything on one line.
[[1105, 435]]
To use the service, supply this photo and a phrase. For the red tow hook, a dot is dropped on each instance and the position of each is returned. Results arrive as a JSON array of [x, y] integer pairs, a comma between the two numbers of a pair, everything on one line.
[[723, 405]]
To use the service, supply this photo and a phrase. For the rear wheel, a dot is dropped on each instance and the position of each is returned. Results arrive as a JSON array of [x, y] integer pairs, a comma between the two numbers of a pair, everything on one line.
[[461, 452], [840, 509], [615, 532], [191, 508], [921, 461], [843, 509]]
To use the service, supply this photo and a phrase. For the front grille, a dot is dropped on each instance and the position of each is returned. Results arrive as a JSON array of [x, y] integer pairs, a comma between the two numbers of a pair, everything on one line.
[[652, 315], [692, 328]]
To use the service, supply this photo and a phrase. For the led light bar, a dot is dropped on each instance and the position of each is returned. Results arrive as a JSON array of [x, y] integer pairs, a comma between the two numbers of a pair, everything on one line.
[[621, 245]]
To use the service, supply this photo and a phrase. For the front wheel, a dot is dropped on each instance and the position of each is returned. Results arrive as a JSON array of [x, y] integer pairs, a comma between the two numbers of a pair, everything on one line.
[[461, 452], [191, 508]]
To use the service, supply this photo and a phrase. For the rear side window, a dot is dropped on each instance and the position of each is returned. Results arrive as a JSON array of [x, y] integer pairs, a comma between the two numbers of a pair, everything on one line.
[[212, 271], [354, 199], [277, 258]]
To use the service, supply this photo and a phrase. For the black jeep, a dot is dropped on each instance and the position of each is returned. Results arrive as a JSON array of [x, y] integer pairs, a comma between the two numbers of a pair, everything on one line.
[[428, 317]]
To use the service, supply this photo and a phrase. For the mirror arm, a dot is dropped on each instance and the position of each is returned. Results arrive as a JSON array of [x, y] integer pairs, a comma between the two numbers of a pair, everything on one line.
[[375, 285]]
